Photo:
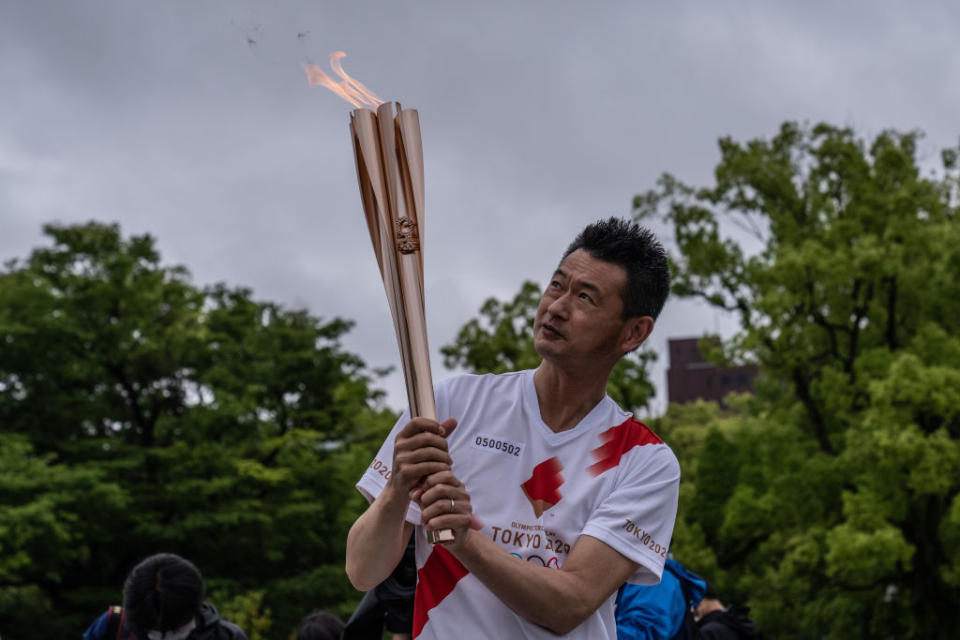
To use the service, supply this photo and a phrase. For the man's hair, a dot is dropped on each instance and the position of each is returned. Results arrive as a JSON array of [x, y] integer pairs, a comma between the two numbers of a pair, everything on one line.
[[320, 625], [634, 248], [163, 592]]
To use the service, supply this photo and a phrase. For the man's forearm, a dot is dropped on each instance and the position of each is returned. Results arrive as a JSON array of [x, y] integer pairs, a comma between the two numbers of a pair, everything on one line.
[[377, 540], [556, 599]]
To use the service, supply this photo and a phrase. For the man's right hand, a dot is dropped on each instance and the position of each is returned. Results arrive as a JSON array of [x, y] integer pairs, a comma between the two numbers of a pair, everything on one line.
[[419, 450], [377, 539]]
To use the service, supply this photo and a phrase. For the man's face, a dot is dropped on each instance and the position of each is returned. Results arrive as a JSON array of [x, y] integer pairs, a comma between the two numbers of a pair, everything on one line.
[[580, 314]]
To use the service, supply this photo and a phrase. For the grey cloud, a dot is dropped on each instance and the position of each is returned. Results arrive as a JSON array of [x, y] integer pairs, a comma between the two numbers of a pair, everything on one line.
[[537, 118]]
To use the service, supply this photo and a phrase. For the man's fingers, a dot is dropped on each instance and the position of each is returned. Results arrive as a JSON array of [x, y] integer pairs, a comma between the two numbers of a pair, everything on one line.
[[444, 476], [416, 471], [423, 454], [454, 521], [447, 427], [418, 425], [420, 450], [444, 500], [421, 440], [441, 499]]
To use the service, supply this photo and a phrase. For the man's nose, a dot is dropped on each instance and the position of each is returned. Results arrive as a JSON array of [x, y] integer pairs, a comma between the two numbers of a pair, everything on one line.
[[560, 306]]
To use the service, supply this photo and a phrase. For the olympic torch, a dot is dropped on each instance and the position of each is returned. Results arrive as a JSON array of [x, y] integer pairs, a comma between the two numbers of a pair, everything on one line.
[[389, 158]]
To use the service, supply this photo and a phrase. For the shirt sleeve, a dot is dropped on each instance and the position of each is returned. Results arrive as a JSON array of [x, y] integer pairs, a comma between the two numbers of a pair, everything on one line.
[[636, 517]]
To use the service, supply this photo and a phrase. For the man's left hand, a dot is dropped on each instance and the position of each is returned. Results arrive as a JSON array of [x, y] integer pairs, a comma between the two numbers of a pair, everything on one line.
[[445, 504]]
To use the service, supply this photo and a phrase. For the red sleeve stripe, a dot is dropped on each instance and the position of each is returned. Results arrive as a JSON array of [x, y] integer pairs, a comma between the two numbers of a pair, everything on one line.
[[617, 441]]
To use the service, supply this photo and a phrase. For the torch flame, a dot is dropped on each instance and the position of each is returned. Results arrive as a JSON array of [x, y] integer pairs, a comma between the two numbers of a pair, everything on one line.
[[349, 89]]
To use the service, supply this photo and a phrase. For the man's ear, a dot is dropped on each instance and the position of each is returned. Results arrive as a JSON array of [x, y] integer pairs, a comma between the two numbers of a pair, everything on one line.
[[636, 331]]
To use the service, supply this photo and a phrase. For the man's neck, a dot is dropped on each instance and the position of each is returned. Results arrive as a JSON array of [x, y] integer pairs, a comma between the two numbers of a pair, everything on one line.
[[565, 398]]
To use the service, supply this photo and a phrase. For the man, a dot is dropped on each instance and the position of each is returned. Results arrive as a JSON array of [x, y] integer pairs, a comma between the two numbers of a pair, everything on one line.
[[555, 495], [163, 600]]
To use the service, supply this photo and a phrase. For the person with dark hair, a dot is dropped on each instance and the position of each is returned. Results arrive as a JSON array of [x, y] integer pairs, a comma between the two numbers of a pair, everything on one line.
[[717, 622], [320, 625], [635, 249], [555, 495], [163, 600]]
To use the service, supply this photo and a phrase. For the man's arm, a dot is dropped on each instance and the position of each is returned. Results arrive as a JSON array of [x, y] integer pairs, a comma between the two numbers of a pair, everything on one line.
[[377, 539], [559, 600]]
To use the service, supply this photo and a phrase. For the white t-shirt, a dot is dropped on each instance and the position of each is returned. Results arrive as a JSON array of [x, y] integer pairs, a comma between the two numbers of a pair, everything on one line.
[[534, 493]]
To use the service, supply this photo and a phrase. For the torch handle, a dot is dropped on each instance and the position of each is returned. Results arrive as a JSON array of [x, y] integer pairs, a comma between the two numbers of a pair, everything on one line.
[[415, 354]]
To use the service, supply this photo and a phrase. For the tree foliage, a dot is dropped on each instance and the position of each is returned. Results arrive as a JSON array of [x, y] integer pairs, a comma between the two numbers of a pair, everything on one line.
[[830, 501], [140, 413], [501, 339]]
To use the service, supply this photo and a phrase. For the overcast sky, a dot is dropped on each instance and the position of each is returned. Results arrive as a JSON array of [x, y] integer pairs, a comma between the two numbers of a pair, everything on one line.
[[193, 120]]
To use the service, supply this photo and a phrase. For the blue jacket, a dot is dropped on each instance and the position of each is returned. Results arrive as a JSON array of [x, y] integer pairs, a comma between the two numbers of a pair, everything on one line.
[[656, 612]]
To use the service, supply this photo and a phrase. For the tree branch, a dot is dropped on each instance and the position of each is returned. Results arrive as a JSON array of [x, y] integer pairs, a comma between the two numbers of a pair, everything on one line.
[[802, 387], [139, 416], [859, 313], [892, 313]]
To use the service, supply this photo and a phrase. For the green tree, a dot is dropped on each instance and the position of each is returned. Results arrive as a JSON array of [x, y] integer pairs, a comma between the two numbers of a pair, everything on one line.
[[839, 483], [51, 516], [231, 430], [501, 339]]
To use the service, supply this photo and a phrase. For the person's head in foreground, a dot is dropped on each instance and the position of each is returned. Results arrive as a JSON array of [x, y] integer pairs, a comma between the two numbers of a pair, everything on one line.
[[162, 597], [320, 625]]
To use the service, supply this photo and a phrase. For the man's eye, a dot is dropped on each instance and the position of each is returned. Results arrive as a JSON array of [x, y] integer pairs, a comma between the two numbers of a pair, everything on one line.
[[586, 297]]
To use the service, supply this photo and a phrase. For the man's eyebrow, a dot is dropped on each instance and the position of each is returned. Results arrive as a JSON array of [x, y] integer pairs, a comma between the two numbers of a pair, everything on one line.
[[585, 285]]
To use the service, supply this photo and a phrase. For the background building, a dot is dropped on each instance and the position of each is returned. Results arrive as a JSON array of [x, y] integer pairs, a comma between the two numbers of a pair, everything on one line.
[[691, 377]]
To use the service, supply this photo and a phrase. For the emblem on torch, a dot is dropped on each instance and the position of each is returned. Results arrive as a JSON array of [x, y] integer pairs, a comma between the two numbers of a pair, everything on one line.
[[389, 157], [407, 238]]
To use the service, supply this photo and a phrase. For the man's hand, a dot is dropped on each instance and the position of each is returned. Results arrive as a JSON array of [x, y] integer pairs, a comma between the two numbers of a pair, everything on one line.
[[378, 538], [445, 504], [419, 450]]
